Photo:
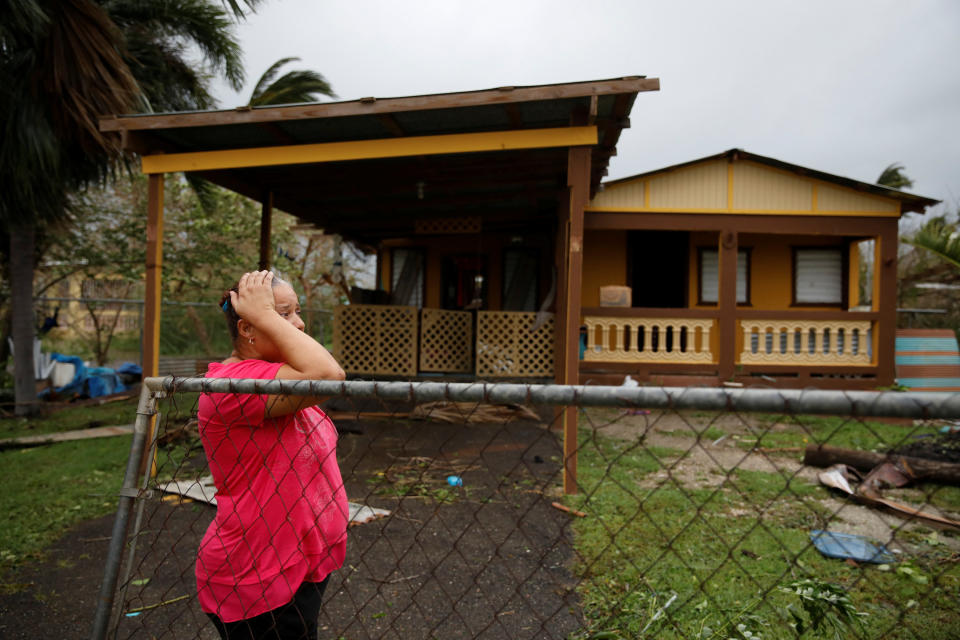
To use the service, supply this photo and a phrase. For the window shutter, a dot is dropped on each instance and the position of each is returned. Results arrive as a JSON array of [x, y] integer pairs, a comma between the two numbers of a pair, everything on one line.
[[818, 276], [710, 278]]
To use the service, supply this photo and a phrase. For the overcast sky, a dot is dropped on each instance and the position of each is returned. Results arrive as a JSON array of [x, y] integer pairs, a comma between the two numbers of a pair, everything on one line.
[[843, 86]]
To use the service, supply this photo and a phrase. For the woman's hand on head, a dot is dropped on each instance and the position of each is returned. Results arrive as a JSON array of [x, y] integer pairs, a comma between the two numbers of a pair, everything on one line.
[[254, 296]]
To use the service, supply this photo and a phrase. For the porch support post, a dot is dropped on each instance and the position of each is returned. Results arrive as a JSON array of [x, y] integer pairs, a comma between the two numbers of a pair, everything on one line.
[[266, 220], [152, 297], [727, 304], [154, 270], [578, 188], [885, 303]]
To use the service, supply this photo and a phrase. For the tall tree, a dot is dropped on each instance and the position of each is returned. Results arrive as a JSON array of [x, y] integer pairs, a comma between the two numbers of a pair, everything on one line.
[[64, 63], [290, 88]]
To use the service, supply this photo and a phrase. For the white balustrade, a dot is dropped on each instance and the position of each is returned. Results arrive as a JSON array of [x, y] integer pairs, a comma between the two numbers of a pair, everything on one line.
[[668, 340], [806, 342]]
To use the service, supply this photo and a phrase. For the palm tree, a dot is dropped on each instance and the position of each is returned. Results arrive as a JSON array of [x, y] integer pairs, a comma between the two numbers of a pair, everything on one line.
[[894, 177], [291, 87], [939, 237], [64, 63]]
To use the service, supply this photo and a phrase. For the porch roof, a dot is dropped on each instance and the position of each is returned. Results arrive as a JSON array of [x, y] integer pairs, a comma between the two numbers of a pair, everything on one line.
[[370, 168], [909, 201]]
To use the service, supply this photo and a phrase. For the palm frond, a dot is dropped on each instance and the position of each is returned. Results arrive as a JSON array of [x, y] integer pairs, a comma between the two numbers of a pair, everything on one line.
[[894, 177], [237, 10], [268, 77], [179, 24], [939, 237], [290, 88]]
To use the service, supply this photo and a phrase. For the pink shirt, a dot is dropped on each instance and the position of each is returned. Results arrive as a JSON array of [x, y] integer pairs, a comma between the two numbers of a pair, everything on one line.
[[281, 506]]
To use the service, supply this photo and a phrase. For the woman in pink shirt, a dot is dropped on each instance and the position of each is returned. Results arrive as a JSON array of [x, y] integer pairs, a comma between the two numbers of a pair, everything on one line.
[[281, 523]]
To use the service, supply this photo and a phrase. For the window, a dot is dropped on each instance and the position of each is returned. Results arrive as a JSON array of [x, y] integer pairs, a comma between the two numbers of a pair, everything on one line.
[[818, 276], [406, 277], [710, 276], [520, 270]]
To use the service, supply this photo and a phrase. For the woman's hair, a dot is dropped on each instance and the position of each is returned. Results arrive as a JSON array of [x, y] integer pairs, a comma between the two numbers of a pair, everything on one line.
[[228, 311]]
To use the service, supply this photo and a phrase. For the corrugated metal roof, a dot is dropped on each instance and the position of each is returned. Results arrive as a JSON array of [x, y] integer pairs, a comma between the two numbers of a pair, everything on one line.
[[367, 199]]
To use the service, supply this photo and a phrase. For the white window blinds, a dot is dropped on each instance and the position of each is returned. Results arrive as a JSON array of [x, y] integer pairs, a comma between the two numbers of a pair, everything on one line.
[[818, 276], [710, 276]]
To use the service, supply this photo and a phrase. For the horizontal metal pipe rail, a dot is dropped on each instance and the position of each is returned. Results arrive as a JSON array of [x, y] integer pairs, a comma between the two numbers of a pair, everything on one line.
[[922, 405]]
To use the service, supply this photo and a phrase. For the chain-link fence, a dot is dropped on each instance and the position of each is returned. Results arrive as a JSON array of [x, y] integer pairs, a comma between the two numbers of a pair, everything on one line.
[[698, 513]]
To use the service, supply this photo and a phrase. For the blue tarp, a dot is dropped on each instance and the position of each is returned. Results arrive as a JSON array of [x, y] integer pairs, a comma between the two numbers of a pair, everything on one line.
[[847, 545], [93, 382]]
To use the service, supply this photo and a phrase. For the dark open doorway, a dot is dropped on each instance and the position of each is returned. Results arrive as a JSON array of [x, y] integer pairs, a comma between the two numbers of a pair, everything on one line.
[[657, 268]]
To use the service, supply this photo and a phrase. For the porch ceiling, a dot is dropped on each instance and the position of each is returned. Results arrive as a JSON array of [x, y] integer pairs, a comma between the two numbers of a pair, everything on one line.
[[371, 198]]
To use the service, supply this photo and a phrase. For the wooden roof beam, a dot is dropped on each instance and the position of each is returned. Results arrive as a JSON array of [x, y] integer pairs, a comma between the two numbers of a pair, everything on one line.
[[367, 149]]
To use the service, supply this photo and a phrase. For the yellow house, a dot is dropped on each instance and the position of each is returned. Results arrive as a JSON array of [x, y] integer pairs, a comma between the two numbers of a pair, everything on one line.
[[743, 268]]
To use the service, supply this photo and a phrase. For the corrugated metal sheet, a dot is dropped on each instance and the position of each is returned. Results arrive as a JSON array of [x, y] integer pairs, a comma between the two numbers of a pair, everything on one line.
[[697, 187], [757, 187], [830, 198], [928, 359]]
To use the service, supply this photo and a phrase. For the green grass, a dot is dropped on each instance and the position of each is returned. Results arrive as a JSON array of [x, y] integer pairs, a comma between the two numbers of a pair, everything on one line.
[[725, 552], [848, 433], [48, 489]]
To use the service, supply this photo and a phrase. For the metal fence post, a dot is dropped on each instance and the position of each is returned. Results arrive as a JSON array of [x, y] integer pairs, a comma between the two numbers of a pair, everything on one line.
[[128, 494]]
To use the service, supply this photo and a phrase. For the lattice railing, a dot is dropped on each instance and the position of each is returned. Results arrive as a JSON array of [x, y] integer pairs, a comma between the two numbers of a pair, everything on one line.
[[514, 344], [445, 341], [376, 339], [806, 342], [674, 340]]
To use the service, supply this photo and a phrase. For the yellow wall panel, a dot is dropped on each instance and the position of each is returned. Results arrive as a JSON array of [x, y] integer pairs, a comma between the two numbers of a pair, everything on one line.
[[624, 194], [832, 198], [702, 186], [758, 187], [604, 262]]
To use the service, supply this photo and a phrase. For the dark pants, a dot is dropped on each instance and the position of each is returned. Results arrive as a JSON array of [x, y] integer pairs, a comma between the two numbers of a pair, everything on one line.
[[296, 620]]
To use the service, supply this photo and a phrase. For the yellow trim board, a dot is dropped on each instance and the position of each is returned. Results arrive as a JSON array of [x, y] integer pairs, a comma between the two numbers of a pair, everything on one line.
[[746, 212], [368, 149]]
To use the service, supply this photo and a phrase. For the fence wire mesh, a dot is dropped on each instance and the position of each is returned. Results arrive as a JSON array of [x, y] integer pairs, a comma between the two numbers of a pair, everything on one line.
[[695, 515]]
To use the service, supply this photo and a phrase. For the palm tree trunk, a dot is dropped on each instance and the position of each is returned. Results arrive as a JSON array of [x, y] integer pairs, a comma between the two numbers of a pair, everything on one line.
[[22, 240]]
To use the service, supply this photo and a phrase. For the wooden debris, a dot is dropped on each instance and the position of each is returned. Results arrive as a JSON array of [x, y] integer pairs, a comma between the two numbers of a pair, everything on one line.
[[66, 436], [473, 412], [916, 468], [573, 512]]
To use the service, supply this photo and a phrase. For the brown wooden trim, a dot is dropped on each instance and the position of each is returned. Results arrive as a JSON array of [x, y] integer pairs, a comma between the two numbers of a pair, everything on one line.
[[807, 368], [153, 277], [645, 367], [648, 312], [367, 106], [792, 225], [266, 224], [727, 322], [578, 181], [885, 341]]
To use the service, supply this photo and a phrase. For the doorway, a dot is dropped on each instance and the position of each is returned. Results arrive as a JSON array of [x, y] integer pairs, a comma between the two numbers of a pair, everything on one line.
[[657, 268]]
